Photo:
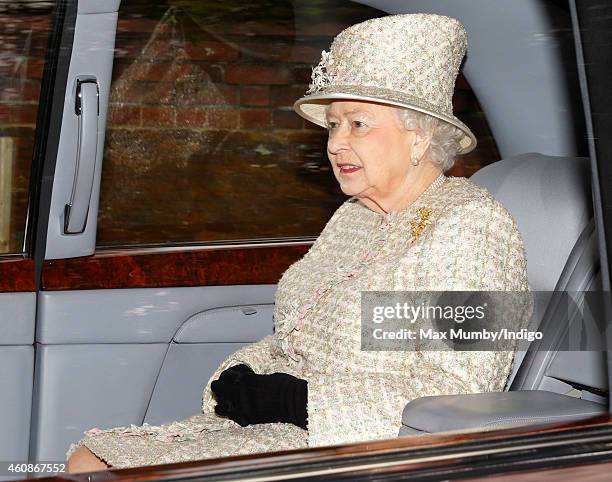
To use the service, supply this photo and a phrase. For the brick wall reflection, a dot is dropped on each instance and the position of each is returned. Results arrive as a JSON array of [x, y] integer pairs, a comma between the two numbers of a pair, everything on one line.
[[23, 43], [203, 144]]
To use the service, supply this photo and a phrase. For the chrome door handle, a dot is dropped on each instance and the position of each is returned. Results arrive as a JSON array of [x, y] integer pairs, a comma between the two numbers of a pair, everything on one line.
[[87, 108]]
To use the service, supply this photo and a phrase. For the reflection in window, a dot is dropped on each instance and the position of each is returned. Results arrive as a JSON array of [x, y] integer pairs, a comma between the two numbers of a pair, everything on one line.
[[202, 143], [24, 30]]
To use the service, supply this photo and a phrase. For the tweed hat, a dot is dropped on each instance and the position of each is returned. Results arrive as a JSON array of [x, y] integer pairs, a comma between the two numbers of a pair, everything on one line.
[[407, 60]]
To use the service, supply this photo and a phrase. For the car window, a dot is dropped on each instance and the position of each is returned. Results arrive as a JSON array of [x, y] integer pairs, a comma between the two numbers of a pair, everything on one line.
[[202, 143], [24, 31]]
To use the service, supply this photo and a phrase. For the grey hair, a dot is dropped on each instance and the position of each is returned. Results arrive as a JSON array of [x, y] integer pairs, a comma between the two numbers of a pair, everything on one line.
[[444, 145]]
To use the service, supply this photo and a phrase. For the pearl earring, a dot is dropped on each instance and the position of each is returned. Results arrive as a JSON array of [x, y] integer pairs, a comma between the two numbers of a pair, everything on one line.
[[415, 161]]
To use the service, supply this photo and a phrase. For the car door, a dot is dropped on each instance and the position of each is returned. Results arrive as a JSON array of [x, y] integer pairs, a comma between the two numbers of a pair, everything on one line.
[[114, 349], [131, 335]]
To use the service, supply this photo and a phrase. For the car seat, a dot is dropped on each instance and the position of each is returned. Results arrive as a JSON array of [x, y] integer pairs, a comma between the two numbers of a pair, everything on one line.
[[550, 199]]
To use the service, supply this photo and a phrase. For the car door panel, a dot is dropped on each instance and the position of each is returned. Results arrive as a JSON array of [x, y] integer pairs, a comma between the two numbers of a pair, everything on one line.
[[108, 358], [185, 371], [197, 349], [152, 315], [17, 313], [16, 369], [170, 315], [79, 387]]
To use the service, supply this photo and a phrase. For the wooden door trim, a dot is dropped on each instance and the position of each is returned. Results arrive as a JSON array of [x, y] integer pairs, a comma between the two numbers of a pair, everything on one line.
[[154, 268], [16, 274]]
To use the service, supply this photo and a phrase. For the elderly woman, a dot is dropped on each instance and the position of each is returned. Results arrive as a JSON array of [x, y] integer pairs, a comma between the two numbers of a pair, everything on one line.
[[384, 94]]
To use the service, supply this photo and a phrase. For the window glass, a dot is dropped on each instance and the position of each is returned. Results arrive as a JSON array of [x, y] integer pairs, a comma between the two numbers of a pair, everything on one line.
[[24, 31], [202, 143]]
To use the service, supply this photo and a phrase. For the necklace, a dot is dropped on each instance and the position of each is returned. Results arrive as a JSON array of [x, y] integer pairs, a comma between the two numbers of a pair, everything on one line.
[[437, 182]]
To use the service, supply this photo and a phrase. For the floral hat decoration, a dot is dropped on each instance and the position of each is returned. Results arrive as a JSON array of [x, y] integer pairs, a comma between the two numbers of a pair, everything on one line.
[[408, 60]]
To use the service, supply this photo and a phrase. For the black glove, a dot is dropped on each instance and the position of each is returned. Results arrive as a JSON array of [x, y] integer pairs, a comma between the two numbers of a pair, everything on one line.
[[248, 398]]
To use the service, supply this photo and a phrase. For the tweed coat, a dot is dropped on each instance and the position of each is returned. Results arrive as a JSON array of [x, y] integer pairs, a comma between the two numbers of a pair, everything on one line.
[[456, 237]]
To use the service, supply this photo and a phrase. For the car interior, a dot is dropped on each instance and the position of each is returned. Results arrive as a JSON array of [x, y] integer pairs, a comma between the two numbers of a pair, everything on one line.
[[73, 359]]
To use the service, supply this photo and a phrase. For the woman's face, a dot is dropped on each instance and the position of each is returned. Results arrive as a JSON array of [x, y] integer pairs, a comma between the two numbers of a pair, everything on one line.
[[368, 149]]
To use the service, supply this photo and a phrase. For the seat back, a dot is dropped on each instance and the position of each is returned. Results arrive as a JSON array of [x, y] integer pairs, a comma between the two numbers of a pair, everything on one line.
[[550, 199]]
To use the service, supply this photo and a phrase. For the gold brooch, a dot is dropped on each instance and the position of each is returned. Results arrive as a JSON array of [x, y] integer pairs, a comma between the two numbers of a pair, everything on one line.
[[417, 227]]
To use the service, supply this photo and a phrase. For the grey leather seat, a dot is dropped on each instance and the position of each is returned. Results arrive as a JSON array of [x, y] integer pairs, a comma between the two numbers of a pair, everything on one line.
[[550, 199]]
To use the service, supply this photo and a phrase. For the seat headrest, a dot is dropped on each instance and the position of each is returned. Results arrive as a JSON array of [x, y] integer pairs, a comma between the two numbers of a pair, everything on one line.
[[550, 199]]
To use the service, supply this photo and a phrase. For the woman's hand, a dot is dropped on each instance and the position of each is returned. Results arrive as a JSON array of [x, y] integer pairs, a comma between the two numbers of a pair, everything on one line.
[[226, 388], [248, 398]]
